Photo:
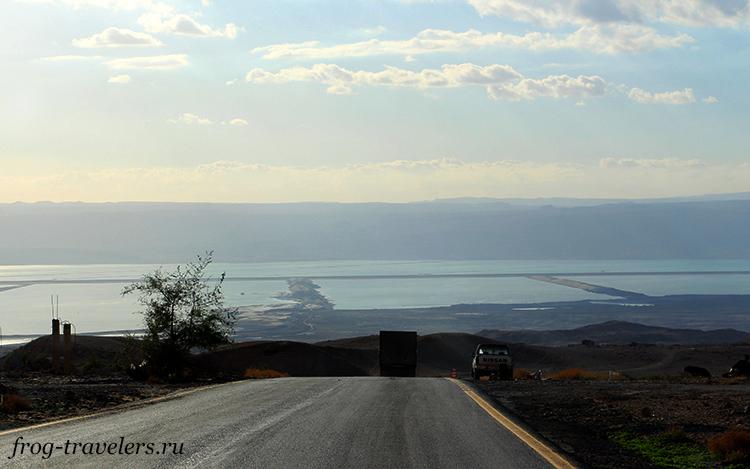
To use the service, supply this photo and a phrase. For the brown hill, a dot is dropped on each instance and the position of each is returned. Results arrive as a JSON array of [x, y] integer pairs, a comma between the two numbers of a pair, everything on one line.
[[294, 358], [367, 342], [91, 354], [438, 354]]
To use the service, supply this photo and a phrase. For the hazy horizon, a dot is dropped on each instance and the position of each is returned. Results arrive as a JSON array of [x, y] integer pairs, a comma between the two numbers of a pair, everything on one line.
[[551, 200], [166, 232]]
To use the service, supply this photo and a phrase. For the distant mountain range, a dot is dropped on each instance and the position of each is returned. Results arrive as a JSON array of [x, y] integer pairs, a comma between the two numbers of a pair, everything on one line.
[[619, 332], [460, 229], [576, 202]]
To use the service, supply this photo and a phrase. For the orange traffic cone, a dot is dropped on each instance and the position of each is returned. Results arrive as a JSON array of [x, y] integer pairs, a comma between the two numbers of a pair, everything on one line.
[[454, 374]]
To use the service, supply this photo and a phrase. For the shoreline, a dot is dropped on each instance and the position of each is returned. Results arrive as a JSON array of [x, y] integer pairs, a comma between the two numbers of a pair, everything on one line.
[[276, 278], [701, 312]]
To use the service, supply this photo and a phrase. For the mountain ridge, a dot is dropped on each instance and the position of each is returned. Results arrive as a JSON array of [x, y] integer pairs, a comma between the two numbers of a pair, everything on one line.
[[166, 233], [618, 332]]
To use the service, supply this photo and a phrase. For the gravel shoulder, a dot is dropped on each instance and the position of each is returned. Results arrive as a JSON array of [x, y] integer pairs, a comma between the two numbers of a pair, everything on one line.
[[583, 417], [53, 397]]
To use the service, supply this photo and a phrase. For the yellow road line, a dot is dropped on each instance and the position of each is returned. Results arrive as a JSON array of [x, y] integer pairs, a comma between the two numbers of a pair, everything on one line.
[[114, 410], [550, 455]]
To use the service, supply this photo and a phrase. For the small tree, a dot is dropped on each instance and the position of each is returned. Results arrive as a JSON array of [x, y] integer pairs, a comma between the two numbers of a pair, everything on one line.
[[182, 310]]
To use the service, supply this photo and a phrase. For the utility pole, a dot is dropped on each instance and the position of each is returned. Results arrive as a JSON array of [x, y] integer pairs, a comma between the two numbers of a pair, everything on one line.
[[55, 345], [55, 338], [68, 348]]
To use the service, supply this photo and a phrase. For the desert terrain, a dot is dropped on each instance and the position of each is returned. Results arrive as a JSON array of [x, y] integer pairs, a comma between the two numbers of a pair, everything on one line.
[[604, 389]]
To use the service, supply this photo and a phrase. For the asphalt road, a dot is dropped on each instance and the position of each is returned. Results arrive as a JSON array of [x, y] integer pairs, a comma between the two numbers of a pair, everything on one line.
[[291, 423]]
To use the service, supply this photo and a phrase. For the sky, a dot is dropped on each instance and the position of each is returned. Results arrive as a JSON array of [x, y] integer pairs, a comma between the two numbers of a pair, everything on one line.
[[372, 100]]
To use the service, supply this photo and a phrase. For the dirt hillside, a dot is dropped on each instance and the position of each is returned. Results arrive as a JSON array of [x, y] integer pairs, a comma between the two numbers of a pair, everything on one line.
[[438, 354]]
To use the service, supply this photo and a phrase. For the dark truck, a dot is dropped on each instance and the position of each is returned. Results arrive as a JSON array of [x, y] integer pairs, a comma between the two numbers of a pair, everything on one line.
[[492, 360], [398, 353]]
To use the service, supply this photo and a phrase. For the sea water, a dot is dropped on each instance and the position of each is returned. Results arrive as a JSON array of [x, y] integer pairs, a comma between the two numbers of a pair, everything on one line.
[[94, 307]]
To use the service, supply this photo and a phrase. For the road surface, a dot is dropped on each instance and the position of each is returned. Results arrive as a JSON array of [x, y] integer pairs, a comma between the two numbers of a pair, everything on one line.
[[290, 423]]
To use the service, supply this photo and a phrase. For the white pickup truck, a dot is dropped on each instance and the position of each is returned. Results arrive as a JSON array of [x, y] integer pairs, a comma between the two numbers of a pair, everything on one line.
[[492, 360]]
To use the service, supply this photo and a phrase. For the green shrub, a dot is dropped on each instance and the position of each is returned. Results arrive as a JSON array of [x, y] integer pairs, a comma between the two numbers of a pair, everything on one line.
[[671, 449]]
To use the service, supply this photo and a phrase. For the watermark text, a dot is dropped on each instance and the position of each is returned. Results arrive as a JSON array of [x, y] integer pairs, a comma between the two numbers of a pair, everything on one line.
[[122, 447]]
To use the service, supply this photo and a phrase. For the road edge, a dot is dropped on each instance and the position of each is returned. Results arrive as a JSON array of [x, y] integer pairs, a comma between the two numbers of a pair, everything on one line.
[[118, 409], [547, 452]]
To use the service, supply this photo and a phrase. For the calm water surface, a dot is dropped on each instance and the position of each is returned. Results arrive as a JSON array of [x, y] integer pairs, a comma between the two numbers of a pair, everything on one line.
[[100, 307]]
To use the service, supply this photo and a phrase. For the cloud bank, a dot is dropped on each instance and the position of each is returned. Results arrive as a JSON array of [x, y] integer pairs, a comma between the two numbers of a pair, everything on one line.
[[185, 25], [555, 13], [598, 38], [685, 96], [406, 180], [501, 82]]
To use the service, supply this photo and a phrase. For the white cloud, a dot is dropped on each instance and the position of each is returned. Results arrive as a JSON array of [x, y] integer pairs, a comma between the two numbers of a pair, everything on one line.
[[622, 38], [342, 81], [500, 81], [650, 163], [553, 13], [685, 96], [715, 13], [238, 122], [603, 39], [696, 13], [190, 119], [184, 24], [117, 37], [119, 79], [153, 62], [549, 13], [555, 86], [711, 100]]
